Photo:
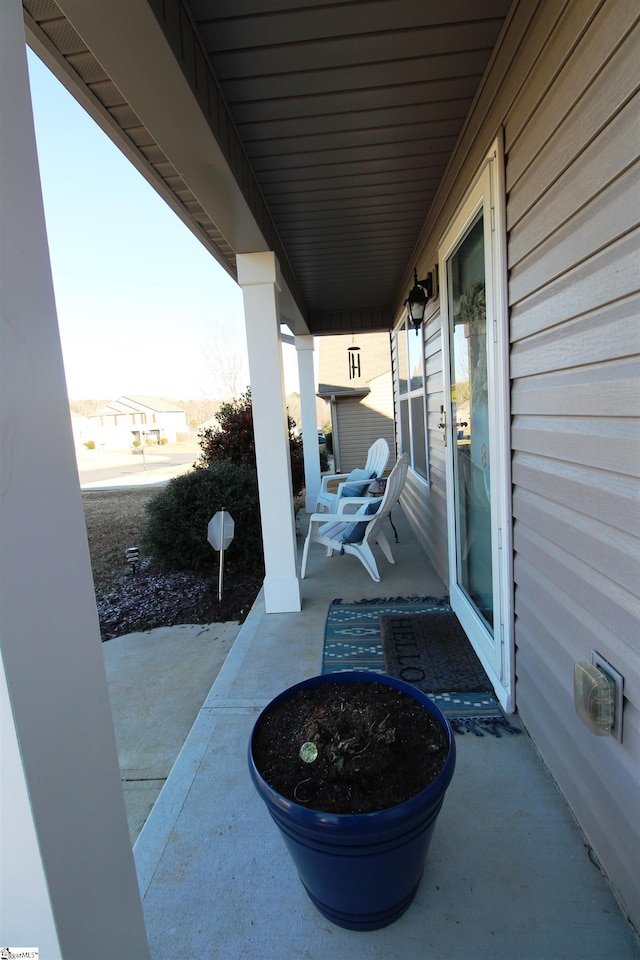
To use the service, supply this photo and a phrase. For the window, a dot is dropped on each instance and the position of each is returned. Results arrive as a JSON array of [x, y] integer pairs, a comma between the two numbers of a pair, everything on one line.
[[411, 397]]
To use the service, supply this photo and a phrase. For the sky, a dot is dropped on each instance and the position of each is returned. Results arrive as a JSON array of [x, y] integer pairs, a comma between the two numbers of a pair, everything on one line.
[[141, 304]]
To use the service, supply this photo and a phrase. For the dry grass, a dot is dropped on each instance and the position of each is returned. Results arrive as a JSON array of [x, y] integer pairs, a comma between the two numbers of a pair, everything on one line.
[[114, 519]]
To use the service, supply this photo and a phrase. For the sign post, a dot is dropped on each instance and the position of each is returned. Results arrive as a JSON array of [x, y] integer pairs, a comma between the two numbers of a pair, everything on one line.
[[220, 534]]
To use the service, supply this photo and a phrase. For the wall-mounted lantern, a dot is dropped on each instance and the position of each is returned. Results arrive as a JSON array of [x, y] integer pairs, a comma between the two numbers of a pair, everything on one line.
[[418, 298]]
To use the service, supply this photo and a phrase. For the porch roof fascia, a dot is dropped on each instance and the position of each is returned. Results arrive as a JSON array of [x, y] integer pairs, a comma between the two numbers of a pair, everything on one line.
[[340, 393]]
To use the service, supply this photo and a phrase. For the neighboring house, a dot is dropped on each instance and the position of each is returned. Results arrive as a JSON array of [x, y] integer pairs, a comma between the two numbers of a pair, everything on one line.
[[82, 429], [145, 420], [355, 378], [320, 159]]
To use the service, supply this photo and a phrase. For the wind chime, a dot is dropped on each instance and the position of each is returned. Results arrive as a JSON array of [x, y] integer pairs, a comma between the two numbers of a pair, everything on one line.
[[354, 362]]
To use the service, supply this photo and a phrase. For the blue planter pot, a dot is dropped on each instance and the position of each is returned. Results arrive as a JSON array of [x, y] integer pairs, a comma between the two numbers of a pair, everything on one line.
[[360, 870]]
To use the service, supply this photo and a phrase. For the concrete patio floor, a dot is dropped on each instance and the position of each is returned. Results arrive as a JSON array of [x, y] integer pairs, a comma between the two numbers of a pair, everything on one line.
[[508, 873]]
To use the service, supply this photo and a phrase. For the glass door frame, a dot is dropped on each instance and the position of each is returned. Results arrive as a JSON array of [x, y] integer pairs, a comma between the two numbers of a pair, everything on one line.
[[494, 648]]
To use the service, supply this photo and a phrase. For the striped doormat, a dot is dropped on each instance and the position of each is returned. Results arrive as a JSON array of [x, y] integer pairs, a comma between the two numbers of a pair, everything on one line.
[[353, 641]]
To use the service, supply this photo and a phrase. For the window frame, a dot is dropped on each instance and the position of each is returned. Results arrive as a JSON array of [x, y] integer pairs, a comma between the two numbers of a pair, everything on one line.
[[407, 396]]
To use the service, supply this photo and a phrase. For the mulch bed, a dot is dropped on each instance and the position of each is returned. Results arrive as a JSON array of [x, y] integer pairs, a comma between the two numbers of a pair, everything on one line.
[[153, 598]]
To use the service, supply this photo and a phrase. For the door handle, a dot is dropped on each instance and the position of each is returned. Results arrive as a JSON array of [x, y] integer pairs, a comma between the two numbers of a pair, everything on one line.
[[443, 423]]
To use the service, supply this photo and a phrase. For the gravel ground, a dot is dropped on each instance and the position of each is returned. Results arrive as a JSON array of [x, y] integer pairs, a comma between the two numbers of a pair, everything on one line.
[[150, 598]]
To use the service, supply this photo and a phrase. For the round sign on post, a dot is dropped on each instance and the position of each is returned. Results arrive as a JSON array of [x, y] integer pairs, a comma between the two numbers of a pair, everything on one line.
[[220, 534]]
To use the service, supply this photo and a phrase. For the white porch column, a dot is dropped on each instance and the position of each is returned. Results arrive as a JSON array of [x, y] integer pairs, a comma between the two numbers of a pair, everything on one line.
[[68, 882], [258, 275], [306, 376]]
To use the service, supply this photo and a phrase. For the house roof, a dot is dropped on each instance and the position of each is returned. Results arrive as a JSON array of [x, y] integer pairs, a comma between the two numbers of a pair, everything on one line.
[[328, 390], [316, 129], [137, 404]]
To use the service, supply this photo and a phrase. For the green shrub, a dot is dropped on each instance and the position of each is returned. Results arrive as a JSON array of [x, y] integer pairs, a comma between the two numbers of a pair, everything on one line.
[[297, 462], [234, 441], [177, 519]]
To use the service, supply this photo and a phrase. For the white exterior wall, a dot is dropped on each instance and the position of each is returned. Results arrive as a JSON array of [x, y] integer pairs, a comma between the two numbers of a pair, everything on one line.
[[117, 430]]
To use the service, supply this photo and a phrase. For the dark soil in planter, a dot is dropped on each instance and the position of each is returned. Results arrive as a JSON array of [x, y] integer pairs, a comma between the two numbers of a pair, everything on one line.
[[368, 747]]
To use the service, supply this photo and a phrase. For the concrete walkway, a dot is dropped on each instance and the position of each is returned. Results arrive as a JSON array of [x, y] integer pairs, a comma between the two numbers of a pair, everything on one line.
[[508, 874], [158, 680]]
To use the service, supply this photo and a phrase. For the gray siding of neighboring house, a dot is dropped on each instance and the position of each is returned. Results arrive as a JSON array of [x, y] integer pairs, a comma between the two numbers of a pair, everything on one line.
[[362, 420], [361, 405], [563, 89]]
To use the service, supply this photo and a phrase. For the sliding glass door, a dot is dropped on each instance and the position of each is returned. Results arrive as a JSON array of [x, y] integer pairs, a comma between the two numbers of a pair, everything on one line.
[[476, 424]]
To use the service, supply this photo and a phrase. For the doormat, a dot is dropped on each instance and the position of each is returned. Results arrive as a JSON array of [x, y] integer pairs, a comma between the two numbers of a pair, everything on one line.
[[431, 651], [353, 641]]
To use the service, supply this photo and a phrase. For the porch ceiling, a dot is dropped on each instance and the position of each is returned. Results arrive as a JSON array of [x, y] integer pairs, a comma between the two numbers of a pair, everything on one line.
[[317, 128]]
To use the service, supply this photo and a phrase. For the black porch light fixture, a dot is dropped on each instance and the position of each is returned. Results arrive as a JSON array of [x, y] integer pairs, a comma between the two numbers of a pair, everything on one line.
[[417, 300]]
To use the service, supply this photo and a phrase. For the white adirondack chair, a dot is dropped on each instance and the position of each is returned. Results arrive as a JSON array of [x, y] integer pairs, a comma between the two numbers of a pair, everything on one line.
[[377, 459], [361, 529]]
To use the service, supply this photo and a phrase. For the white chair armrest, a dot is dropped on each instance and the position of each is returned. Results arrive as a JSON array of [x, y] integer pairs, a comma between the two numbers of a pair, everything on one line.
[[319, 518], [331, 478], [351, 504]]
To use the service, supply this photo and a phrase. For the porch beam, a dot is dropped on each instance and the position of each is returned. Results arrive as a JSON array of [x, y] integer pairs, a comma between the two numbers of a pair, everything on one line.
[[259, 277]]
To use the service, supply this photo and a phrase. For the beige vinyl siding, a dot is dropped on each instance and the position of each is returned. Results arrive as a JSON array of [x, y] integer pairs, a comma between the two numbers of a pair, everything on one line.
[[362, 406], [425, 504], [572, 215], [564, 88], [354, 432], [373, 350], [362, 420]]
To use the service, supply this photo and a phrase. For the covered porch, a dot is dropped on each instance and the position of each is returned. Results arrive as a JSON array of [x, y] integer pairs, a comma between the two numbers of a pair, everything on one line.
[[323, 153], [508, 873]]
